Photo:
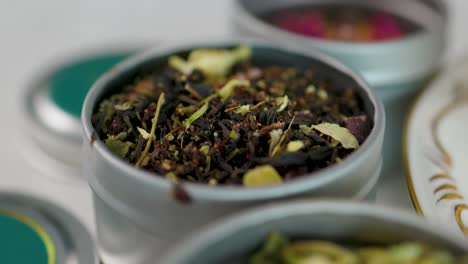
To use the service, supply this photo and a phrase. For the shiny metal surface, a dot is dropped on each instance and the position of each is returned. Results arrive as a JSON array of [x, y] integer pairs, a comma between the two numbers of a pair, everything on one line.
[[231, 240]]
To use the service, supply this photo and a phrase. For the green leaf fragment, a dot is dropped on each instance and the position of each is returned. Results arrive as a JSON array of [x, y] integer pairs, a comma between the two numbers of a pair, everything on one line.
[[152, 135], [271, 250], [338, 133], [310, 89], [261, 176], [123, 107], [234, 135], [143, 133], [228, 89], [243, 110], [118, 147], [214, 63], [199, 113], [205, 149], [303, 252], [181, 65]]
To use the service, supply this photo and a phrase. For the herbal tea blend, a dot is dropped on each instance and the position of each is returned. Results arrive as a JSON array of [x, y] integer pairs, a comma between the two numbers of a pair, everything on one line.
[[278, 249], [342, 23], [216, 117]]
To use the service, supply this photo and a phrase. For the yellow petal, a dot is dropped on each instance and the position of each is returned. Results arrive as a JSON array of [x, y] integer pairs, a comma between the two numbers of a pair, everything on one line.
[[262, 176]]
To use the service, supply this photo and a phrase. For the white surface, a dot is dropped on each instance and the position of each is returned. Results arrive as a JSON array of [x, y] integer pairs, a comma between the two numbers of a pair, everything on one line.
[[35, 33], [438, 115]]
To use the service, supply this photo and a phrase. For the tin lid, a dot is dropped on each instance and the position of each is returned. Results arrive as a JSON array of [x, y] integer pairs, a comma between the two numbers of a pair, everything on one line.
[[52, 106], [35, 231]]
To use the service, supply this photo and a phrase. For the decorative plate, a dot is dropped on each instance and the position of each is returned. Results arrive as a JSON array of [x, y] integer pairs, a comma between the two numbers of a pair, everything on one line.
[[436, 150]]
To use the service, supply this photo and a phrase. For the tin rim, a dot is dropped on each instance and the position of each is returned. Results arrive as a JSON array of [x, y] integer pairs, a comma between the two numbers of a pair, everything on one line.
[[252, 19], [63, 227], [234, 193], [301, 208]]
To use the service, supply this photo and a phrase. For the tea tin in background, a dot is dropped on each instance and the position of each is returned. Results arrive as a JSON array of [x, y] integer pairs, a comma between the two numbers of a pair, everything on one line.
[[36, 231], [51, 110], [396, 68]]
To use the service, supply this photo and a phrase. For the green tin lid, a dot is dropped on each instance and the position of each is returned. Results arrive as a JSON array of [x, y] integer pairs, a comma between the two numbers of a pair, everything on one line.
[[24, 241], [70, 84], [52, 107], [36, 231]]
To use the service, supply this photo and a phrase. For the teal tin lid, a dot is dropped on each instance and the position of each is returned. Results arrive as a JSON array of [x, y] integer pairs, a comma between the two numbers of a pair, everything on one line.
[[24, 240], [36, 231], [52, 107]]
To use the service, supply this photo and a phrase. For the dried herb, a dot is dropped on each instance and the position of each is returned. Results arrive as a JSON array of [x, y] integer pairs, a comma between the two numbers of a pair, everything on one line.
[[278, 249], [215, 117]]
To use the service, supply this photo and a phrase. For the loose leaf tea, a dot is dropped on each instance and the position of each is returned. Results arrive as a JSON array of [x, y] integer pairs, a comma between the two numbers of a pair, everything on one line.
[[216, 117], [278, 249], [342, 23]]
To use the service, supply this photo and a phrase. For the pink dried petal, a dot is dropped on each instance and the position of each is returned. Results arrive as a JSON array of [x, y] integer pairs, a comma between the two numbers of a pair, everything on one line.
[[358, 126], [386, 27]]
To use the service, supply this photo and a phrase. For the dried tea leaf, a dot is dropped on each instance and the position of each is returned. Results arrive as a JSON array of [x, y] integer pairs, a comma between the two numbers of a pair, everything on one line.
[[310, 89], [261, 176], [294, 146], [271, 249], [214, 63], [282, 103], [180, 64], [275, 136], [228, 89], [143, 133], [123, 107], [341, 134], [199, 113], [304, 251], [243, 110], [406, 252], [151, 136], [118, 147]]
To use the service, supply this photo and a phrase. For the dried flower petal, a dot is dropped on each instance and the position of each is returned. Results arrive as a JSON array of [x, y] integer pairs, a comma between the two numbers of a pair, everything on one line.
[[282, 102], [262, 176], [341, 134], [294, 146], [228, 89]]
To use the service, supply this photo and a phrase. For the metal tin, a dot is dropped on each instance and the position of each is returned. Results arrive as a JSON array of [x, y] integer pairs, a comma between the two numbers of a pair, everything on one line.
[[396, 69], [43, 231], [232, 240], [51, 110], [136, 217]]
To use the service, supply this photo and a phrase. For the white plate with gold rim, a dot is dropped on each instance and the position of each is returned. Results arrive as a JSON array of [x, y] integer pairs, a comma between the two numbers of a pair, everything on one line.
[[436, 150]]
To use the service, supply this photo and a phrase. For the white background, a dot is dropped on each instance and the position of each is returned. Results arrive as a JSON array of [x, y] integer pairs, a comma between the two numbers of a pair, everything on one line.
[[35, 33]]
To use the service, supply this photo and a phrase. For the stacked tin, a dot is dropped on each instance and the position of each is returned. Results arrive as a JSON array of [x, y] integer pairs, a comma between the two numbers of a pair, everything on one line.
[[396, 69]]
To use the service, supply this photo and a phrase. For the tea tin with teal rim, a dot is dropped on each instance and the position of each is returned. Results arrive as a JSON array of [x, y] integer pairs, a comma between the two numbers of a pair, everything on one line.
[[395, 69], [37, 231], [51, 108]]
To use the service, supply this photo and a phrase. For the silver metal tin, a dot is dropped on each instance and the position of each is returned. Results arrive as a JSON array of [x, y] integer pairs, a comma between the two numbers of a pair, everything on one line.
[[231, 240], [71, 240], [395, 69], [52, 132], [136, 217]]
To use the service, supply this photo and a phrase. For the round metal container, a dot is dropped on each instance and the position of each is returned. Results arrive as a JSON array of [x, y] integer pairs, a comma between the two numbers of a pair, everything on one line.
[[396, 69], [232, 240], [36, 231], [51, 109], [137, 218]]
